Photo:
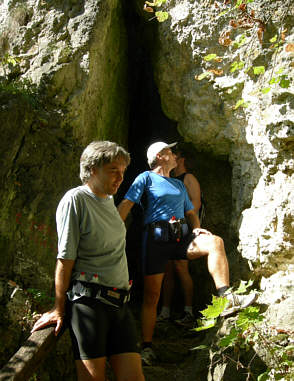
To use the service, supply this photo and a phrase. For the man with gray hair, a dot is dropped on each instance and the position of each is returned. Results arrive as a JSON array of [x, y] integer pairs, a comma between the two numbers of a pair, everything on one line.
[[91, 279]]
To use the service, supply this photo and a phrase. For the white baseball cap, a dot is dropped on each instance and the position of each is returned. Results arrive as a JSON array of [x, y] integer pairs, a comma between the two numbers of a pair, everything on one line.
[[155, 148]]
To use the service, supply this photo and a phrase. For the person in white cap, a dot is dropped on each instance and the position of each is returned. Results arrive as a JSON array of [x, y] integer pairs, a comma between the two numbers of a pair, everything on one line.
[[167, 236]]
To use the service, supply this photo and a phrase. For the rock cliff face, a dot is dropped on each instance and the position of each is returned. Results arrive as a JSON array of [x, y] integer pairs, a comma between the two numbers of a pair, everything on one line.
[[69, 70], [257, 140], [63, 83]]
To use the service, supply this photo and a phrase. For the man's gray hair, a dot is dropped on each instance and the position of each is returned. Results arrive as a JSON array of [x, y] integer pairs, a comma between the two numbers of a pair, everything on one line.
[[99, 153]]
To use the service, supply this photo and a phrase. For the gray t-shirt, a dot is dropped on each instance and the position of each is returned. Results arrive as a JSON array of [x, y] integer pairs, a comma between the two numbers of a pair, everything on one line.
[[91, 232]]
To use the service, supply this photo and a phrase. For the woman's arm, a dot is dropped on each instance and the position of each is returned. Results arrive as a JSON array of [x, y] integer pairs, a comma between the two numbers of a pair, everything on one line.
[[124, 208]]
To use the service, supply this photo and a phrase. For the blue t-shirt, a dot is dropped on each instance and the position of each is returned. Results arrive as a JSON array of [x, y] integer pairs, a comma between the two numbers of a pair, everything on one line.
[[166, 197]]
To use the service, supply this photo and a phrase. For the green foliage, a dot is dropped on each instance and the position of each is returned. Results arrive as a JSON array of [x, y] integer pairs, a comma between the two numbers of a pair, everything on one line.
[[241, 16], [39, 296], [211, 313], [243, 286], [217, 307], [22, 87], [161, 16], [212, 57], [241, 103], [241, 40], [203, 75], [237, 65], [257, 70], [246, 331]]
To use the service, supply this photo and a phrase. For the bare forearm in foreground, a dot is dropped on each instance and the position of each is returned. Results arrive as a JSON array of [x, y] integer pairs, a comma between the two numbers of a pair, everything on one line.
[[62, 281]]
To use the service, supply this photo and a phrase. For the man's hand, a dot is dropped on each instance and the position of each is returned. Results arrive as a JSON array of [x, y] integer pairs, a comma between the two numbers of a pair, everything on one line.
[[200, 244], [49, 318], [199, 231]]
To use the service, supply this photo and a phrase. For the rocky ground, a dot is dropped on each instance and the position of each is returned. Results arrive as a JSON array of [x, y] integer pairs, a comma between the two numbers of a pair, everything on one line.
[[173, 347], [176, 359]]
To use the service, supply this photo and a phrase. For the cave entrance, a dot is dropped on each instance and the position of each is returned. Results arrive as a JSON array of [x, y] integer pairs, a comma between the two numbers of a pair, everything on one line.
[[147, 124]]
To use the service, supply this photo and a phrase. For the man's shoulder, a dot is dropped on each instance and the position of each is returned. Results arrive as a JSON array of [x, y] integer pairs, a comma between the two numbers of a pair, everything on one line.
[[190, 178], [74, 194]]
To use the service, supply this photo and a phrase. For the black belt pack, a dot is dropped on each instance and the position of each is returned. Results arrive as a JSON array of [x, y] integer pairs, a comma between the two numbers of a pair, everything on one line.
[[169, 231], [114, 295]]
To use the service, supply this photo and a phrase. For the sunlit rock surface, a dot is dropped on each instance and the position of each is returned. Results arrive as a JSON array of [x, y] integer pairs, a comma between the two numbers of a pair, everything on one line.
[[257, 140]]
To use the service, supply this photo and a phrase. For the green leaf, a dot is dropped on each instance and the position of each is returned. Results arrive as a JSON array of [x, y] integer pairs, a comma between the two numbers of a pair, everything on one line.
[[229, 339], [243, 286], [273, 81], [161, 16], [11, 61], [203, 75], [241, 102], [263, 376], [284, 82], [241, 41], [237, 65], [223, 13], [265, 90], [216, 308], [204, 324], [249, 316], [280, 71], [200, 348], [258, 70], [210, 57], [274, 39]]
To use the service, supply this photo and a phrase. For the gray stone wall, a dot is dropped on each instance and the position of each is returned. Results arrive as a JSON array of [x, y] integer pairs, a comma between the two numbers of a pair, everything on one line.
[[258, 140], [63, 84]]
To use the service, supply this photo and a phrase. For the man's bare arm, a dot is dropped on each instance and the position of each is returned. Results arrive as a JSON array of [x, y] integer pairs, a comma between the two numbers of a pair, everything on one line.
[[194, 223], [193, 219], [193, 189], [124, 208], [62, 281]]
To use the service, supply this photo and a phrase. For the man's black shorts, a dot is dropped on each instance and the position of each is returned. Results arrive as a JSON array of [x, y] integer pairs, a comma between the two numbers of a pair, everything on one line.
[[98, 329]]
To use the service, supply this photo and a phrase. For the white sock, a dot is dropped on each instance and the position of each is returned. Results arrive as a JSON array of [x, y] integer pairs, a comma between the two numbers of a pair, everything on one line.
[[165, 311], [189, 309]]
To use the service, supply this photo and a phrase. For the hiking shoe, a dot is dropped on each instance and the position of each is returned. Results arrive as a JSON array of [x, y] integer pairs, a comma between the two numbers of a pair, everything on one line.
[[187, 320], [237, 302], [147, 355]]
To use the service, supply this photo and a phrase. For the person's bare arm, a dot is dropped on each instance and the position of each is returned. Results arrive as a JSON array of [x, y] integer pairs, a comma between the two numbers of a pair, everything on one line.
[[193, 219], [124, 208], [193, 189], [194, 223], [62, 281]]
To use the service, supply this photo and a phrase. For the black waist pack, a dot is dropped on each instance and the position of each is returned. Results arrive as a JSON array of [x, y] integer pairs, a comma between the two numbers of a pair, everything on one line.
[[116, 296], [169, 231]]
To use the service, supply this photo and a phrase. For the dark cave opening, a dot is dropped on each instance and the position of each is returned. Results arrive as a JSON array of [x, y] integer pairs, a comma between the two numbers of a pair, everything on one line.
[[147, 124]]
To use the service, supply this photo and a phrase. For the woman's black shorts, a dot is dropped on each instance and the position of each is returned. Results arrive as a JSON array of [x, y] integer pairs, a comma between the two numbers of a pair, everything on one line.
[[156, 253], [98, 329]]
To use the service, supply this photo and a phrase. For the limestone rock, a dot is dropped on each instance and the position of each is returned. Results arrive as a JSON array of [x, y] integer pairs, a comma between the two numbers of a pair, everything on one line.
[[257, 140]]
